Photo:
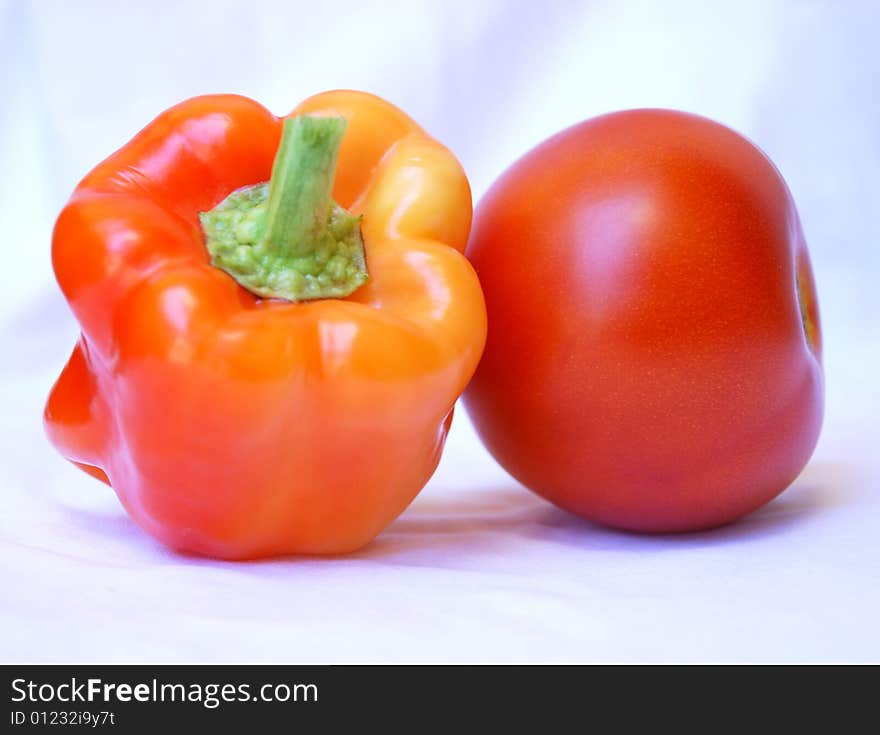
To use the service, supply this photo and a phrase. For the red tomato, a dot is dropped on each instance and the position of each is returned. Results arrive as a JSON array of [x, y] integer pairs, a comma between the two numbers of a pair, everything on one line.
[[654, 353]]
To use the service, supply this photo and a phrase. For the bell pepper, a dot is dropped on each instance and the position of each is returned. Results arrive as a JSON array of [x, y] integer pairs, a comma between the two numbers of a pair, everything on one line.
[[276, 320]]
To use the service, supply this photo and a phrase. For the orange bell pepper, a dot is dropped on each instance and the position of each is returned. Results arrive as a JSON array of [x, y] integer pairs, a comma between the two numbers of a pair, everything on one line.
[[303, 413]]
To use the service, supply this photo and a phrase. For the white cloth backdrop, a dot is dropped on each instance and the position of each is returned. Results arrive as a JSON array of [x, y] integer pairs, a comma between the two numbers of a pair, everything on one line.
[[477, 569]]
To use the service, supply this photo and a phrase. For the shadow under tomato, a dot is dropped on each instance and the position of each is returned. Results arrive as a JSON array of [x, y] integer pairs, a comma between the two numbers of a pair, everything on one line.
[[459, 523], [484, 519]]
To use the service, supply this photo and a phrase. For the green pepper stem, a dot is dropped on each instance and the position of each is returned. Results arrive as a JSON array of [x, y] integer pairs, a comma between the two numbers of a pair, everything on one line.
[[302, 183], [287, 238]]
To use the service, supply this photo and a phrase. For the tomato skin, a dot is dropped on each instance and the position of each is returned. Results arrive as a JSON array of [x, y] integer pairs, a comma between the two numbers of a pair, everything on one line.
[[648, 364]]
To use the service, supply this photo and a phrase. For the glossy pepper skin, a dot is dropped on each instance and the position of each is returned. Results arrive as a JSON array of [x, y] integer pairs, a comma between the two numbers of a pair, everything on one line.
[[238, 427]]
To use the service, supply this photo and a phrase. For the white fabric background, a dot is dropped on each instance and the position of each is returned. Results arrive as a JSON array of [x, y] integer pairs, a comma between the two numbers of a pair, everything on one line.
[[477, 569]]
